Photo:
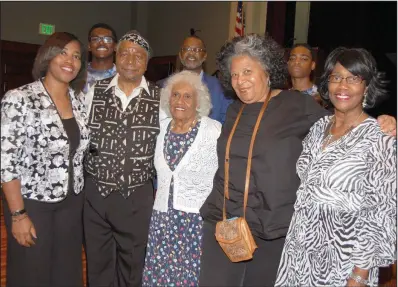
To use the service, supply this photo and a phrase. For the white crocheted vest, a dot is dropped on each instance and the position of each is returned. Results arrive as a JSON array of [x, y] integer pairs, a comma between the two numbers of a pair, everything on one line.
[[193, 177]]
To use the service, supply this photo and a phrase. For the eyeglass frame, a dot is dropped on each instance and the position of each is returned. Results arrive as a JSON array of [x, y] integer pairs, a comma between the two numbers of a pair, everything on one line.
[[347, 79], [102, 38], [196, 50]]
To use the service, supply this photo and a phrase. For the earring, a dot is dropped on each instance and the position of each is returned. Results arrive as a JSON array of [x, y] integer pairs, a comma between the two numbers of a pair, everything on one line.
[[364, 99], [269, 83]]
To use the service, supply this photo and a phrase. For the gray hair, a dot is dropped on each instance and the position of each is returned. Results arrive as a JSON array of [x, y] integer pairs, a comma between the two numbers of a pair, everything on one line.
[[148, 52], [193, 79], [263, 49]]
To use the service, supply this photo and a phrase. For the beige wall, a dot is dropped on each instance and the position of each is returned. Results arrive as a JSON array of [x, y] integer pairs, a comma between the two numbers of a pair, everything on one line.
[[20, 20], [169, 22], [302, 20]]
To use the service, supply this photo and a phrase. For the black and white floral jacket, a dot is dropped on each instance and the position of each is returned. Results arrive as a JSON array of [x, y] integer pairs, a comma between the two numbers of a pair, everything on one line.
[[34, 144]]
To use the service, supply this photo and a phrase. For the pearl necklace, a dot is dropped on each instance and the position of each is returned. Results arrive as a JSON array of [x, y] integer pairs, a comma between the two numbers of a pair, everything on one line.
[[328, 139]]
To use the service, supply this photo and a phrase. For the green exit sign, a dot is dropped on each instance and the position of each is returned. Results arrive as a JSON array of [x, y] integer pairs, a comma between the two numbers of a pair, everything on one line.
[[46, 29]]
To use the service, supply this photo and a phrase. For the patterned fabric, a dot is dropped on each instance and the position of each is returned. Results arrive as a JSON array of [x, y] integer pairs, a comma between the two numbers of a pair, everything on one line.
[[122, 144], [345, 213], [193, 178], [35, 146], [313, 91], [95, 75], [173, 250], [137, 39]]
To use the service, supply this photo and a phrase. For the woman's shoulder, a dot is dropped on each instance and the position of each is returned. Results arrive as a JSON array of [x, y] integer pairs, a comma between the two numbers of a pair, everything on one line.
[[22, 93], [378, 141], [371, 130], [320, 126], [292, 98], [292, 93], [211, 126], [323, 121], [164, 123]]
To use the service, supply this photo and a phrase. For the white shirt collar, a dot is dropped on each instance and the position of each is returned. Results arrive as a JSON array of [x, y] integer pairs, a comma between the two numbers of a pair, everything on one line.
[[201, 74], [142, 85]]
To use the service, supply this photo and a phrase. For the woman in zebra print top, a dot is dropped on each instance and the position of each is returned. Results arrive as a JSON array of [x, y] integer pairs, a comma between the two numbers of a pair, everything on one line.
[[344, 225]]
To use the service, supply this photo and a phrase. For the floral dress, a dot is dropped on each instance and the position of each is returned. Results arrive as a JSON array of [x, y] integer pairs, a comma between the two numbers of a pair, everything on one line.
[[173, 249]]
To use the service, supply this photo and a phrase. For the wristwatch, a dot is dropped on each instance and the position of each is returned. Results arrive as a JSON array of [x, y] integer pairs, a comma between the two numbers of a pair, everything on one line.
[[18, 212]]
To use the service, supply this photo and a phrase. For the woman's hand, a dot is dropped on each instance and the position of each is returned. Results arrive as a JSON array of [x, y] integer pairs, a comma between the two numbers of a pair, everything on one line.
[[388, 125], [23, 230]]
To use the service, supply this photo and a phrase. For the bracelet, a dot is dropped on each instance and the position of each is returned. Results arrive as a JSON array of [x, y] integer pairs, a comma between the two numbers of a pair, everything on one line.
[[19, 218], [18, 212], [358, 279]]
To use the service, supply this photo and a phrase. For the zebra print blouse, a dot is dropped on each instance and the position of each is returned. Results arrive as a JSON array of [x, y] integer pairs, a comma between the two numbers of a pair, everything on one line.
[[345, 213]]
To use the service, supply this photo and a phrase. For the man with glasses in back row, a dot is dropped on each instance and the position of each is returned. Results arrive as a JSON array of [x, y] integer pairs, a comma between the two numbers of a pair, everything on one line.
[[192, 56], [102, 45]]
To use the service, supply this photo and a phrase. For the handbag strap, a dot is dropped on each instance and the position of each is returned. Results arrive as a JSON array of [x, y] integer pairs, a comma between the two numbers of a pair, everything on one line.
[[249, 158]]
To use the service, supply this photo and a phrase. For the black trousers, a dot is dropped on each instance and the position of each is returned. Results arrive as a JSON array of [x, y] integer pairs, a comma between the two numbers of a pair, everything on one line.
[[217, 270], [56, 258], [116, 234]]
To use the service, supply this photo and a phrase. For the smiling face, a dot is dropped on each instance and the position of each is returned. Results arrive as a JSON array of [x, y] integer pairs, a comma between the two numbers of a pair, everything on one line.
[[249, 79], [97, 46], [344, 96], [66, 65], [183, 102], [192, 60], [131, 61], [300, 64]]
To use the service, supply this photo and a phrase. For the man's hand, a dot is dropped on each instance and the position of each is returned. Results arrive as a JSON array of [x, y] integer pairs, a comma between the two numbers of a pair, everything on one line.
[[388, 125]]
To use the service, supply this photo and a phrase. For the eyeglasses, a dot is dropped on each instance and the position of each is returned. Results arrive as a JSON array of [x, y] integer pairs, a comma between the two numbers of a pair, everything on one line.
[[105, 39], [193, 49], [349, 79]]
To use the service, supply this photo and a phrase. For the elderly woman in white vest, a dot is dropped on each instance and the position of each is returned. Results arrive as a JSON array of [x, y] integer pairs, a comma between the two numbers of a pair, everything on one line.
[[185, 161]]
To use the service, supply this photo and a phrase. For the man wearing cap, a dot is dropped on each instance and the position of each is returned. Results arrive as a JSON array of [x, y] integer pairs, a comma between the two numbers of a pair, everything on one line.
[[124, 122]]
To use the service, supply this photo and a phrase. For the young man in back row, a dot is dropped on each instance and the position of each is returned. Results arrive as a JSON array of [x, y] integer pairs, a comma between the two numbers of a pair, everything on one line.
[[301, 65], [102, 46]]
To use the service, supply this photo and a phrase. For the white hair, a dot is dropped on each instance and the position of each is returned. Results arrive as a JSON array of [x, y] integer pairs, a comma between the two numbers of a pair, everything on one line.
[[195, 81]]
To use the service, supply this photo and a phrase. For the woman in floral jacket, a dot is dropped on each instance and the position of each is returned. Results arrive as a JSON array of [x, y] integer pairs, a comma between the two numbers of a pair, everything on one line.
[[43, 141]]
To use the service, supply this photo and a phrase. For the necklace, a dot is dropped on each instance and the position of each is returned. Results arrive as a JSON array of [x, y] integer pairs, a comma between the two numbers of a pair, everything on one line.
[[133, 109], [172, 125], [329, 138], [186, 136]]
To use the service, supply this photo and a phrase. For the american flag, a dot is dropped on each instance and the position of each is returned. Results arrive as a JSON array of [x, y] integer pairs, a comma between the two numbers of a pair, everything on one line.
[[240, 20]]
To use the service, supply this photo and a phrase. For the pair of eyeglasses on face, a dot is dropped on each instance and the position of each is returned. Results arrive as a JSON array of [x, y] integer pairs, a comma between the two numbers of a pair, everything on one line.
[[350, 79], [105, 39], [193, 49]]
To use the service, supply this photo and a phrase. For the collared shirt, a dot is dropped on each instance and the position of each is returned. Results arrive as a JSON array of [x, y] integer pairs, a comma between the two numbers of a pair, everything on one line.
[[125, 100], [96, 75], [311, 91]]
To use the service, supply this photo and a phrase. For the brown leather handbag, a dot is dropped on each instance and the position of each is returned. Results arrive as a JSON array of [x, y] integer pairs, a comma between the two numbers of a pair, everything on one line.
[[234, 235]]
